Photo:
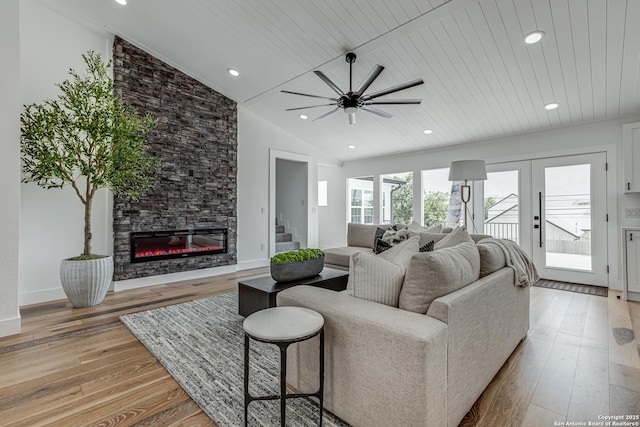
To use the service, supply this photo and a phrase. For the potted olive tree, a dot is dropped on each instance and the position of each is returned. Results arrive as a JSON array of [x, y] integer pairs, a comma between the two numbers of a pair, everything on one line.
[[88, 139]]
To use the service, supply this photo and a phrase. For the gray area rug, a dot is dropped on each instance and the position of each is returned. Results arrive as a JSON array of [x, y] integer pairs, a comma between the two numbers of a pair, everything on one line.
[[201, 344]]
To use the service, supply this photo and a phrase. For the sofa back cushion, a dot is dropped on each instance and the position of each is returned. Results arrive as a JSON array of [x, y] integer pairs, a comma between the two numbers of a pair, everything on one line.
[[477, 237], [362, 235], [491, 258], [457, 236], [431, 275]]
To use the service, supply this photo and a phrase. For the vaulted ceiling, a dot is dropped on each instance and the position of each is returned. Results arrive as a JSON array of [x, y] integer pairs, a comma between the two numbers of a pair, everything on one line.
[[481, 80]]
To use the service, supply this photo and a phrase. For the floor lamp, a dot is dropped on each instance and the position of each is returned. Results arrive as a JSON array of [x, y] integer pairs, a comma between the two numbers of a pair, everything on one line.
[[467, 170]]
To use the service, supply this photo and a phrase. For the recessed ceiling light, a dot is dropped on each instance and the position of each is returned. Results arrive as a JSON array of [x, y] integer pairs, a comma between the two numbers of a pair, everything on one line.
[[533, 37], [234, 73], [122, 2], [303, 116], [427, 131], [551, 106], [351, 146]]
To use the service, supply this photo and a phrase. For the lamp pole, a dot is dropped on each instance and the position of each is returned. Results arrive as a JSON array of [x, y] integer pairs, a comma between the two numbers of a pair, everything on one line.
[[465, 196]]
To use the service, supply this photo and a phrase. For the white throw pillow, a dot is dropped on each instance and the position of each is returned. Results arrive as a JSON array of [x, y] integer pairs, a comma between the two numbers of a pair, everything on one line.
[[379, 278], [457, 236], [401, 254], [414, 227]]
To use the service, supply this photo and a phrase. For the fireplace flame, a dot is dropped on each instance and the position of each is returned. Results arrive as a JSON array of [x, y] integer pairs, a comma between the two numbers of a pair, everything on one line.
[[176, 251]]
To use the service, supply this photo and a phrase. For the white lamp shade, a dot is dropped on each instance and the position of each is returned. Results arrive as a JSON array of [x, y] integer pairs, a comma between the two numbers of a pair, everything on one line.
[[467, 170]]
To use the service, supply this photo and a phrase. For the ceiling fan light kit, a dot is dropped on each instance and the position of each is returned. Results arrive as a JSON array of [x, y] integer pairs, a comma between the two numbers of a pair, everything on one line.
[[352, 101]]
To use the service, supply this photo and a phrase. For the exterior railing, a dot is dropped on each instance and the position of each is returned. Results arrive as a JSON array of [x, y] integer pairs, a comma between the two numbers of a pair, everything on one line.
[[502, 230]]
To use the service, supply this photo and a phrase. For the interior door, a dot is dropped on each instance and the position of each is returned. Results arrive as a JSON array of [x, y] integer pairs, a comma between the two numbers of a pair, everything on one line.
[[570, 219]]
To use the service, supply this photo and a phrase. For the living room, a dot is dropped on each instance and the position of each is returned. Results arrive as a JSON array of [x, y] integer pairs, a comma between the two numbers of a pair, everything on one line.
[[42, 41]]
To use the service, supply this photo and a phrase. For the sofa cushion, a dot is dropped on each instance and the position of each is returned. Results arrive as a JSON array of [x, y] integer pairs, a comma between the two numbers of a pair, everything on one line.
[[362, 235], [491, 258], [417, 228], [477, 237], [379, 278], [433, 274], [341, 256], [454, 238]]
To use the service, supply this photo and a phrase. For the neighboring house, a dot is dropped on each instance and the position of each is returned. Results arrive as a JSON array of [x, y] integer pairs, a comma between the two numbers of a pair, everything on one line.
[[501, 218]]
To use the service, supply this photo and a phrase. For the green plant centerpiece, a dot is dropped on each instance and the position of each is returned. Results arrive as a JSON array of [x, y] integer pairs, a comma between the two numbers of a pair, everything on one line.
[[296, 265], [88, 139]]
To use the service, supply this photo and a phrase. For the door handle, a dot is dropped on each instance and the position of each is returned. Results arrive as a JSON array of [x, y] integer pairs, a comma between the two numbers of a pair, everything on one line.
[[540, 216]]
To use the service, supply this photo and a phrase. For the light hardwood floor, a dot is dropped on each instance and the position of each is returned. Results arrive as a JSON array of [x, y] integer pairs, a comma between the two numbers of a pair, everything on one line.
[[82, 367]]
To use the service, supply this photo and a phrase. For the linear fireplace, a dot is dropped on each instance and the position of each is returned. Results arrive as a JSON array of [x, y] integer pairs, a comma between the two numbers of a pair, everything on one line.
[[156, 245]]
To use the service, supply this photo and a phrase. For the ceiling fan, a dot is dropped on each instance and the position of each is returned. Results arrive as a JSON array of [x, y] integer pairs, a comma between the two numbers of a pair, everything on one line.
[[352, 101]]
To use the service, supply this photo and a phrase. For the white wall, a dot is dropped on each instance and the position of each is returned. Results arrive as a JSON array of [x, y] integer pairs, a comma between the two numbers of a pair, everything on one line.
[[9, 166], [255, 137], [51, 221], [291, 197], [569, 140]]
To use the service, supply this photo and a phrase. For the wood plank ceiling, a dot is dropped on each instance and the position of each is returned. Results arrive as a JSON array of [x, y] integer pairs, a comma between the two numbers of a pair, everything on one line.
[[481, 80]]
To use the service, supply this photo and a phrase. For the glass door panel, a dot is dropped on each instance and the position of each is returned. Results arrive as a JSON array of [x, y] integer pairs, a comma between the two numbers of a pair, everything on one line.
[[567, 216], [502, 205]]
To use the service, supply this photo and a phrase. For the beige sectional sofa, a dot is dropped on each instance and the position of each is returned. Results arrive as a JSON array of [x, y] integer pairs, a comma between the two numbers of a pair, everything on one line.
[[389, 366], [360, 237]]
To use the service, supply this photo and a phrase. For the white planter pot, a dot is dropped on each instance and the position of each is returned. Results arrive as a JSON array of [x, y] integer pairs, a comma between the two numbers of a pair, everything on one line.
[[86, 282]]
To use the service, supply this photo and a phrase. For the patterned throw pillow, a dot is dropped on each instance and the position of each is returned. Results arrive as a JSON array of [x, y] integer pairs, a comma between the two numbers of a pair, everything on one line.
[[394, 237], [381, 246], [428, 247], [378, 236]]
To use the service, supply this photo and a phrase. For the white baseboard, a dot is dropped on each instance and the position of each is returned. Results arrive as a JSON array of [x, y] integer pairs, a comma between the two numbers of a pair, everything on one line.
[[54, 294], [10, 326], [37, 297], [256, 263], [141, 282]]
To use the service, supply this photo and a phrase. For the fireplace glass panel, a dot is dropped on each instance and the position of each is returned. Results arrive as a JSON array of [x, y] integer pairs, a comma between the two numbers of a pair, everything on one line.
[[147, 246]]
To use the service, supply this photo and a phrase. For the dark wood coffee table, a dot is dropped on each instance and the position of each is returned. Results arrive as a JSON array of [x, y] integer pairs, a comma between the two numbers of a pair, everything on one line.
[[260, 293]]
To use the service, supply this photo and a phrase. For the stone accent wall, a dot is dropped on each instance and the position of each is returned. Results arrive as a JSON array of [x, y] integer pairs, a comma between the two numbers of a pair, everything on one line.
[[196, 139]]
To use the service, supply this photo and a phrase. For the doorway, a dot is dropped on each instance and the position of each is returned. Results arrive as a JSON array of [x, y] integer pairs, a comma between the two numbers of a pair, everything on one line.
[[555, 208], [290, 212]]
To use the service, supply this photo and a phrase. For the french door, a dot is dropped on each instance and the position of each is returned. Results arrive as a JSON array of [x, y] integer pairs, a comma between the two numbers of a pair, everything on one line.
[[555, 208]]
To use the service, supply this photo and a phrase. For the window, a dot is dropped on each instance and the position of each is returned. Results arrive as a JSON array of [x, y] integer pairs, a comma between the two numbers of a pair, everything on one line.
[[436, 194], [397, 198], [322, 193], [361, 200]]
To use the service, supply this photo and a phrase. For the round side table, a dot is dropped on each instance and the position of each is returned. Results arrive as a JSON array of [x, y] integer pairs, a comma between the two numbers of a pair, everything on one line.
[[282, 326]]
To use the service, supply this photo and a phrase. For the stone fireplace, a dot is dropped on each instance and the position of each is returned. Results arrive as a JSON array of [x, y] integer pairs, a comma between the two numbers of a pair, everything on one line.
[[188, 220]]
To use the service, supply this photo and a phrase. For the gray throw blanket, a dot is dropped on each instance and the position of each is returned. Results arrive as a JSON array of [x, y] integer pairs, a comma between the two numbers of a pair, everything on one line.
[[525, 272]]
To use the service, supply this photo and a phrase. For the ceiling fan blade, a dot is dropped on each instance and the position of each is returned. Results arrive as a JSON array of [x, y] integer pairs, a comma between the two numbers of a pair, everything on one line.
[[393, 101], [378, 112], [310, 106], [306, 94], [327, 114], [393, 89], [331, 84], [373, 74]]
